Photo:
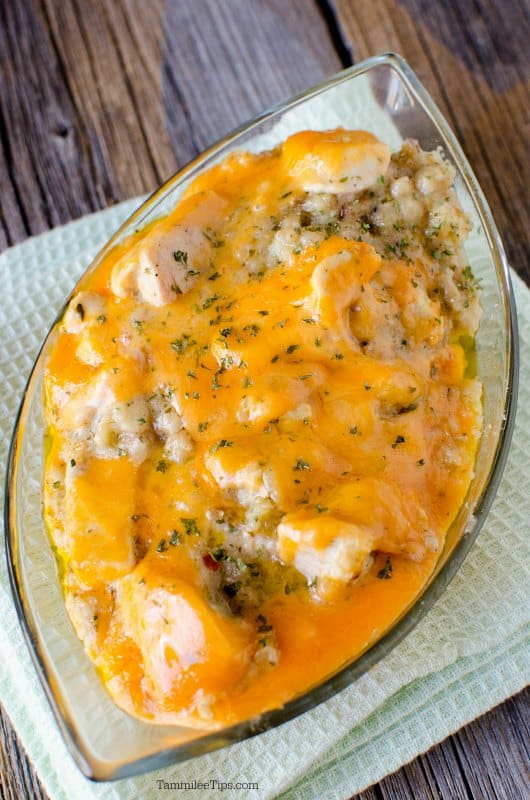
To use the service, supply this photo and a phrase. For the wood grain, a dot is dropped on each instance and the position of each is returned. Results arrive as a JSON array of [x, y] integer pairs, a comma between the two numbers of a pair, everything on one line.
[[18, 779], [103, 99], [226, 61], [473, 57]]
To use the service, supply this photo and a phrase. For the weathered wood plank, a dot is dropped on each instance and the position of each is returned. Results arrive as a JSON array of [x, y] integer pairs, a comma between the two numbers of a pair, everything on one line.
[[473, 58], [106, 113], [44, 154], [487, 759], [18, 779], [102, 101], [495, 756], [224, 62], [437, 774], [10, 208]]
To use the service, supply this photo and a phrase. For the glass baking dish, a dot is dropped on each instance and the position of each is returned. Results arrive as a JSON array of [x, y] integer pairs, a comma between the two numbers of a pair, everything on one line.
[[381, 95]]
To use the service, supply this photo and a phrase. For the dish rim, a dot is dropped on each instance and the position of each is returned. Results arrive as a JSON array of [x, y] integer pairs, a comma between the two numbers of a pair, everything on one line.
[[348, 674]]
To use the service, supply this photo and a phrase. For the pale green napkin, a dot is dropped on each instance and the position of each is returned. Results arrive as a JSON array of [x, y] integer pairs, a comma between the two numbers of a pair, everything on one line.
[[468, 654]]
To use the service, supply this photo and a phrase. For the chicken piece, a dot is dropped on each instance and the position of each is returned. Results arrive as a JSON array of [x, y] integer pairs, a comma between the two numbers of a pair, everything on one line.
[[321, 209], [272, 397], [84, 315], [396, 519], [165, 413], [100, 534], [301, 413], [84, 308], [247, 479], [184, 642], [336, 161], [227, 356], [87, 352], [180, 447], [436, 177], [122, 428], [423, 319], [92, 417], [168, 261], [168, 426], [77, 405], [328, 551], [337, 279], [405, 208]]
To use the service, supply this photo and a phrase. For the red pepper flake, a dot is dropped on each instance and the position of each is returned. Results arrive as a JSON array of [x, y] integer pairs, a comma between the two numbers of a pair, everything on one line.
[[210, 562]]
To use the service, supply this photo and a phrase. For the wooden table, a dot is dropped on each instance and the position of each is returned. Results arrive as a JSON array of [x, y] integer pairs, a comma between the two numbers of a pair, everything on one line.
[[101, 100]]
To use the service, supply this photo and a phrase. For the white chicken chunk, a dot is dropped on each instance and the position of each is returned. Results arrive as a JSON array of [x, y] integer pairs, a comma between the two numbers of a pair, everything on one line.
[[183, 641], [301, 413], [77, 405], [336, 283], [248, 480], [123, 428], [180, 447], [92, 417], [337, 161], [85, 312], [168, 426], [169, 260], [83, 309], [157, 618], [328, 551]]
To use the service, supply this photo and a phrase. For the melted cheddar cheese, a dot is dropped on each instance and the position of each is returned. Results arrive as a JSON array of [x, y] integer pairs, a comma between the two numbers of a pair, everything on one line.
[[262, 422]]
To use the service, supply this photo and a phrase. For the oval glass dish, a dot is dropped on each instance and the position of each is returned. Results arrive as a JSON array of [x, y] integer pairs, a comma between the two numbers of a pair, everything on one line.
[[381, 95]]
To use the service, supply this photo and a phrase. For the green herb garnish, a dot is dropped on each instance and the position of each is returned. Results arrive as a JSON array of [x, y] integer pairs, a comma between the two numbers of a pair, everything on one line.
[[385, 573]]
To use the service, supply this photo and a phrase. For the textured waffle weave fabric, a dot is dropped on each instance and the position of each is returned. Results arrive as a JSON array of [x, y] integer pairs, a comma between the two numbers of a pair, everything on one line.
[[468, 654]]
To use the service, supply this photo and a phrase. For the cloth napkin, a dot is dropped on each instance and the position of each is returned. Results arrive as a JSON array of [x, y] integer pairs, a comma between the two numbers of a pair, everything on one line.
[[468, 654]]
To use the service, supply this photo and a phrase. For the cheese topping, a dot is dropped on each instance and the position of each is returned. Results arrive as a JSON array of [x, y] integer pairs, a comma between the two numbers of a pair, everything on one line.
[[263, 418]]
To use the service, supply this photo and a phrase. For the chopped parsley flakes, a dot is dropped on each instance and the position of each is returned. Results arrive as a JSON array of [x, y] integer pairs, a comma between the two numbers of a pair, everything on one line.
[[301, 465], [180, 256], [385, 573]]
